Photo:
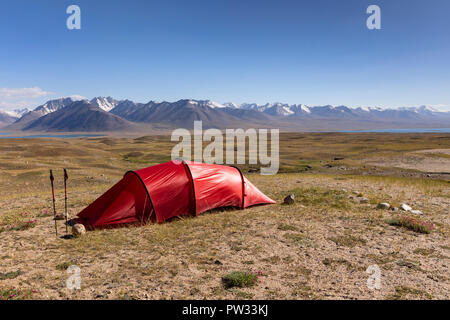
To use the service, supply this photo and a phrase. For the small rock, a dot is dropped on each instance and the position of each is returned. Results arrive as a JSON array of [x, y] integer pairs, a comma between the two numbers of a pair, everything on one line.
[[59, 216], [405, 207], [383, 205], [363, 200], [356, 192], [78, 230], [218, 262], [418, 212], [395, 209], [290, 199], [344, 190]]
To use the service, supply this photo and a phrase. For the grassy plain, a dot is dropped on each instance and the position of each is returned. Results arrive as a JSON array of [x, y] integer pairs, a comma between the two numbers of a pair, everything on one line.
[[318, 248]]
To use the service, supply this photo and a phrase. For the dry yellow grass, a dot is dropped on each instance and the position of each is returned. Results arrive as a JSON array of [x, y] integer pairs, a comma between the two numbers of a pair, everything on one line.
[[318, 248]]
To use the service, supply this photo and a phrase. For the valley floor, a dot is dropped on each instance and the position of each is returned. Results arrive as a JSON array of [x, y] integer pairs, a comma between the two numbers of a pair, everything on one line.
[[318, 248]]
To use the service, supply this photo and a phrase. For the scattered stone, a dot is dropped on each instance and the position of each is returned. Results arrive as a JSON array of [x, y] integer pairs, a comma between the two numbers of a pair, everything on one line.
[[290, 199], [383, 205], [405, 207], [363, 200], [78, 230], [356, 192], [218, 262], [395, 209], [344, 190], [60, 216], [418, 212]]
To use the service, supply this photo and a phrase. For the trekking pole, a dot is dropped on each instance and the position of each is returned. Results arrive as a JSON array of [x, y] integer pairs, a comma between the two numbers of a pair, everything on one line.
[[66, 177], [53, 196]]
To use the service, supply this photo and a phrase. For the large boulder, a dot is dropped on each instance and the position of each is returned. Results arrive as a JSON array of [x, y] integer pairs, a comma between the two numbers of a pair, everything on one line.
[[78, 230]]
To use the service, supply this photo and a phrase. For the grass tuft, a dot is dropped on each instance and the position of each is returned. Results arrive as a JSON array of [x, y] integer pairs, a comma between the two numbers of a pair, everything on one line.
[[286, 227], [348, 241], [321, 197], [10, 275], [410, 223], [239, 279]]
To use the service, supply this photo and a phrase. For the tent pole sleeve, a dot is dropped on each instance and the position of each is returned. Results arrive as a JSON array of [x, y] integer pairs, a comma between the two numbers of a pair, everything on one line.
[[243, 186], [191, 178], [146, 191]]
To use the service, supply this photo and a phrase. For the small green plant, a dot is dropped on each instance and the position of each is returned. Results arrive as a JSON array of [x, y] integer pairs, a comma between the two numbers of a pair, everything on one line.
[[239, 279], [411, 223]]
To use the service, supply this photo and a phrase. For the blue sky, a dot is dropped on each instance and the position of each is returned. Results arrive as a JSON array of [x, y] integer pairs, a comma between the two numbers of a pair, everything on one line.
[[312, 52]]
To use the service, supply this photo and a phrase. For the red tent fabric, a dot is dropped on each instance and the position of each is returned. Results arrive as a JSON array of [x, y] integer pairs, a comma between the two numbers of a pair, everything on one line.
[[171, 189]]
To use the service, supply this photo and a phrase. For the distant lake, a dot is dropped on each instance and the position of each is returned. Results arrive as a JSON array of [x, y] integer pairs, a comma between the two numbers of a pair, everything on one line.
[[439, 130], [64, 136]]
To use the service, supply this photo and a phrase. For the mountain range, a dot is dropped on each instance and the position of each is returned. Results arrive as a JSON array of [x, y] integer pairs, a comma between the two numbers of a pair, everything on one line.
[[103, 114]]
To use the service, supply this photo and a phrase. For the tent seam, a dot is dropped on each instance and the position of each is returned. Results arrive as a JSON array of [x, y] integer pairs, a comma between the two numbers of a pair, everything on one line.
[[146, 191], [193, 186], [243, 186]]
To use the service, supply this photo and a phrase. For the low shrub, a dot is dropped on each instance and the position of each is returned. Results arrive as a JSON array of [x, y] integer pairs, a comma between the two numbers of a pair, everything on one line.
[[239, 279]]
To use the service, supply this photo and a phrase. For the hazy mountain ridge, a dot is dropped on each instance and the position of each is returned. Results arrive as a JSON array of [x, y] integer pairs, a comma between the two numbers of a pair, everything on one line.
[[109, 114], [79, 116]]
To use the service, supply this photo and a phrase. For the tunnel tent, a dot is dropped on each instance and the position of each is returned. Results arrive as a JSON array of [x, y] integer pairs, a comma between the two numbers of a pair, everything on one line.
[[171, 189]]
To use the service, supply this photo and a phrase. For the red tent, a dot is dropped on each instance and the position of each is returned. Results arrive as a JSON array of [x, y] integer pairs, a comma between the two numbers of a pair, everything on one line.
[[171, 189]]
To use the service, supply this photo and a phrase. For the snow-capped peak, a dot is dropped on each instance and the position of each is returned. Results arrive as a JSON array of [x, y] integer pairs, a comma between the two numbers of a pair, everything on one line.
[[304, 108], [17, 113], [214, 104], [231, 105], [105, 103], [54, 105]]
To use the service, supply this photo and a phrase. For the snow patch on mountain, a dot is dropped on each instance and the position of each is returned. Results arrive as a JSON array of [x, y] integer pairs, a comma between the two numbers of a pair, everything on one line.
[[105, 103], [17, 113]]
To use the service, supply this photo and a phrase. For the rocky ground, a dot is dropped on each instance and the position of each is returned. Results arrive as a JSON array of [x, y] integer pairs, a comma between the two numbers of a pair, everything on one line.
[[319, 247]]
